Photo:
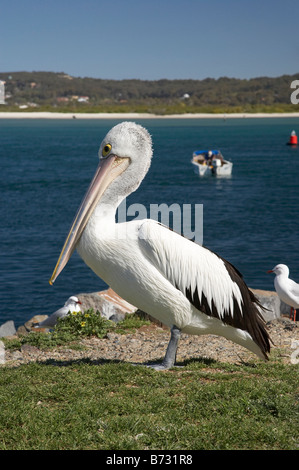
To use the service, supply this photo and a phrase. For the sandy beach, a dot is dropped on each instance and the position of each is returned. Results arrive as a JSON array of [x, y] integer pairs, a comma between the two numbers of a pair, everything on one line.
[[53, 115]]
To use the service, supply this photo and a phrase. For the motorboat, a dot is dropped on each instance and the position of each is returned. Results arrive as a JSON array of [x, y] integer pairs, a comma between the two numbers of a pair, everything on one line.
[[210, 162]]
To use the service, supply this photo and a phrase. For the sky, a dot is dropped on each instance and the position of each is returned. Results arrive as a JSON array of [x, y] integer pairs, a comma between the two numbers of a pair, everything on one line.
[[151, 39]]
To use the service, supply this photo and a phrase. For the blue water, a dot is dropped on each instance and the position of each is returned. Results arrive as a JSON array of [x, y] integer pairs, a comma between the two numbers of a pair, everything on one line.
[[46, 166]]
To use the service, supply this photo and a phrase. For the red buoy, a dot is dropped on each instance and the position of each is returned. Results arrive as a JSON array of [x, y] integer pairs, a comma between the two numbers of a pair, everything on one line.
[[293, 139]]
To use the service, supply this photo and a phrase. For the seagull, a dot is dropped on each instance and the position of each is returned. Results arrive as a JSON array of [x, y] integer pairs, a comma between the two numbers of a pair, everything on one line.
[[185, 286], [287, 290], [71, 305]]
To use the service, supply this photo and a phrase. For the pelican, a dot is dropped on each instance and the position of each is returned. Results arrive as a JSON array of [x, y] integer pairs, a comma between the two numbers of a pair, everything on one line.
[[71, 305], [287, 289], [182, 284]]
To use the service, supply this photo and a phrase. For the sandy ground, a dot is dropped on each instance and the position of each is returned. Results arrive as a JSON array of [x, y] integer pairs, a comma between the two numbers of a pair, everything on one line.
[[50, 115]]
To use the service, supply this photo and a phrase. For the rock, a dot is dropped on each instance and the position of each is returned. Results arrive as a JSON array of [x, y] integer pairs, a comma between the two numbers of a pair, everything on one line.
[[2, 353], [22, 331], [295, 354], [29, 349], [117, 317], [34, 320], [284, 308], [7, 329], [29, 325], [271, 301], [17, 356], [108, 303]]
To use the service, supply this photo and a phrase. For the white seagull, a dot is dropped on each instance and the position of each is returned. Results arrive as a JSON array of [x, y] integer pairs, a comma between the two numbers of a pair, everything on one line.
[[287, 290], [184, 285], [71, 305]]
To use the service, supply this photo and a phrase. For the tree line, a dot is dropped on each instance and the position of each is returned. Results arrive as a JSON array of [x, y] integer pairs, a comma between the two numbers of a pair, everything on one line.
[[63, 91]]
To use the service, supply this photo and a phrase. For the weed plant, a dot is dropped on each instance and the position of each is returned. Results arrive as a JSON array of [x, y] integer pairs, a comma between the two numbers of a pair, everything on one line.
[[77, 325]]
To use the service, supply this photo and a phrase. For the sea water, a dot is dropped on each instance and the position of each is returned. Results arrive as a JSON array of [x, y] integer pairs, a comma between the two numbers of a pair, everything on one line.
[[249, 218]]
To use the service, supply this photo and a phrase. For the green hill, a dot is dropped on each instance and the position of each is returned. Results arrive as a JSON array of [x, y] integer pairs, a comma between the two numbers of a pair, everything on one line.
[[61, 92]]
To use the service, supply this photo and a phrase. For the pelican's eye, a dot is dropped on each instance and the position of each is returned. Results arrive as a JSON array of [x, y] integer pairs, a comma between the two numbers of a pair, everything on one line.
[[106, 150]]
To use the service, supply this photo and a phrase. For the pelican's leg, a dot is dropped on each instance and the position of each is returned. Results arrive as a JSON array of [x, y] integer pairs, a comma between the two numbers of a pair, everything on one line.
[[170, 356]]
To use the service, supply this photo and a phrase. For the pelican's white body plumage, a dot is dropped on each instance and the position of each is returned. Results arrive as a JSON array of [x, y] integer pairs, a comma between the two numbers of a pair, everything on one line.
[[182, 284], [148, 267], [71, 305]]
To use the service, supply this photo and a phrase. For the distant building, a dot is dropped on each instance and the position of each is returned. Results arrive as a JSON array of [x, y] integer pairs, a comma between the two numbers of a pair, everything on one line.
[[2, 92], [83, 99], [62, 99]]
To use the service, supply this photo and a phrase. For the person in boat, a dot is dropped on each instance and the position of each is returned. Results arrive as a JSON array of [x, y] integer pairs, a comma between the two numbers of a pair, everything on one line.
[[209, 157]]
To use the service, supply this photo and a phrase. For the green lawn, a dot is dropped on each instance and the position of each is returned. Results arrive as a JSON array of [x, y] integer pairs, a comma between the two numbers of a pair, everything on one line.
[[115, 406]]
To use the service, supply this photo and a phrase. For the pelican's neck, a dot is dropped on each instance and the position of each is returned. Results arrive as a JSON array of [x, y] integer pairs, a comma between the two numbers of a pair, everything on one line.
[[105, 212], [102, 225], [100, 235], [114, 195]]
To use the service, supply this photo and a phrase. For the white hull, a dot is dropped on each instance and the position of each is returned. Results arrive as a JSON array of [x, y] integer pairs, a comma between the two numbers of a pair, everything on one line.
[[216, 167], [204, 170]]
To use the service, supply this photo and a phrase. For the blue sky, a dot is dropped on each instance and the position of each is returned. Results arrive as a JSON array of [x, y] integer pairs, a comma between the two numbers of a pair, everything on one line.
[[151, 39]]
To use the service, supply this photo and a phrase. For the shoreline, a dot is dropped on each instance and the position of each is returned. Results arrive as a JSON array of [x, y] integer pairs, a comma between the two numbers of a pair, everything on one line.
[[55, 115]]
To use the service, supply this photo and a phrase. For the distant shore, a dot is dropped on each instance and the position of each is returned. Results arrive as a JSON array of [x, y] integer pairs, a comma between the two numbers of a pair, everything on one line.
[[55, 115]]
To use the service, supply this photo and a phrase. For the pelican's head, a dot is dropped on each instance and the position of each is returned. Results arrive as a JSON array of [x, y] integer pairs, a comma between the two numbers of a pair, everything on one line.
[[280, 269], [125, 156], [128, 148]]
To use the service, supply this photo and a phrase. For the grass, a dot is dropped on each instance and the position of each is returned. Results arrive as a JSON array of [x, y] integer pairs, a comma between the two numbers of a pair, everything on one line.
[[116, 406], [205, 405]]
